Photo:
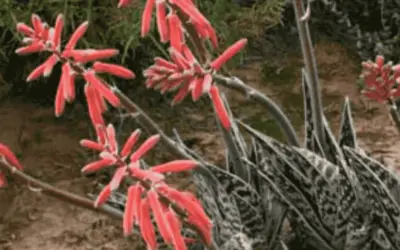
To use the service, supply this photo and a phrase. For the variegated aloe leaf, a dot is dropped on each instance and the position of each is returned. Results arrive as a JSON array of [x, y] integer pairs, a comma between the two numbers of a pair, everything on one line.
[[291, 185], [248, 200], [239, 241], [221, 207], [385, 208], [317, 146], [386, 174], [275, 211], [311, 141], [347, 135]]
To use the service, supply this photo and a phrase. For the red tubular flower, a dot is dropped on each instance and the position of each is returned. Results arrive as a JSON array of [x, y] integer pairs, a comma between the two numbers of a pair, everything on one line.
[[177, 240], [59, 101], [113, 69], [159, 216], [162, 25], [130, 143], [78, 34], [175, 166], [119, 174], [91, 145], [145, 147], [145, 175], [101, 88], [146, 17], [220, 108], [196, 214], [58, 28], [146, 225], [97, 165], [228, 54], [93, 101], [175, 31], [380, 80], [41, 37], [32, 48], [103, 196], [185, 73], [131, 208]]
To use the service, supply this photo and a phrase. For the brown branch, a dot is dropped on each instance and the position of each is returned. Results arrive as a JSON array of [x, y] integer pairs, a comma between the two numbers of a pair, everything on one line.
[[59, 194]]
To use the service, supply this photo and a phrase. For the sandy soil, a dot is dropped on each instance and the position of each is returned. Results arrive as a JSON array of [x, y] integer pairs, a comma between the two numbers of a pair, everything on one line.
[[49, 149]]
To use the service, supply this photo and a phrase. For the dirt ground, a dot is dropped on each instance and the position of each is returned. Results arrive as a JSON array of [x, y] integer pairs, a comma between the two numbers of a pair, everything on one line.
[[49, 149]]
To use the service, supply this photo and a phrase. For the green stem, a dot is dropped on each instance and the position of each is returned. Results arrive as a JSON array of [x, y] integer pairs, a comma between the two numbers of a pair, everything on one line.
[[311, 70], [253, 94]]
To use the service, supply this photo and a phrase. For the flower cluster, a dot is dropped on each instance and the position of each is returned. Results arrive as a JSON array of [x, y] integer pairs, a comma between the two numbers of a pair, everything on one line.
[[170, 24], [9, 158], [150, 197], [150, 193], [380, 80], [41, 37]]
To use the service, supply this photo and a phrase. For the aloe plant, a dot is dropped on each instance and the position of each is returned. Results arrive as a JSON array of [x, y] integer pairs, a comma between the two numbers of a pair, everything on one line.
[[326, 194]]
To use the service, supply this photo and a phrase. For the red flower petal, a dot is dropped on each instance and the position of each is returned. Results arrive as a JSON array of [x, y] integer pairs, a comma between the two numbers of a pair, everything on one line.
[[111, 139], [65, 81], [146, 17], [37, 24], [136, 203], [58, 28], [104, 90], [159, 216], [59, 102], [182, 93], [190, 9], [145, 175], [49, 65], [97, 165], [91, 145], [164, 63], [162, 24], [175, 31], [93, 106], [129, 214], [220, 108], [145, 147], [177, 240], [228, 54], [146, 225], [32, 48], [198, 88], [78, 33], [84, 56], [119, 174], [103, 196], [25, 29], [130, 143], [113, 69], [175, 166], [36, 73], [179, 59]]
